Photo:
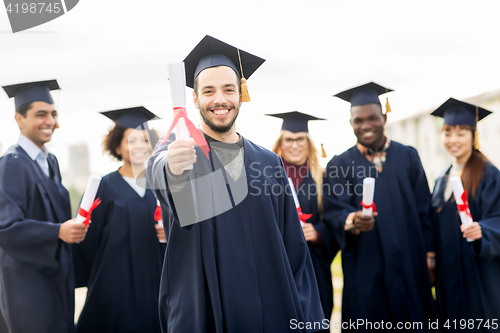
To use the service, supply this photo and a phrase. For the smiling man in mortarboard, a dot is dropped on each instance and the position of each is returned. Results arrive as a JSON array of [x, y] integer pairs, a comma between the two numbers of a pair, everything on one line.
[[386, 277], [36, 271], [236, 259]]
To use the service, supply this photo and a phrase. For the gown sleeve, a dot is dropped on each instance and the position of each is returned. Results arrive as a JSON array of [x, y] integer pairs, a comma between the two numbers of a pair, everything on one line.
[[184, 193], [337, 200], [420, 188], [27, 240], [490, 215], [84, 252], [299, 258]]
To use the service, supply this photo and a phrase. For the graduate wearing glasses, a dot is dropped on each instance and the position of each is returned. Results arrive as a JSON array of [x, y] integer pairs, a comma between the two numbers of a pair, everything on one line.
[[301, 159]]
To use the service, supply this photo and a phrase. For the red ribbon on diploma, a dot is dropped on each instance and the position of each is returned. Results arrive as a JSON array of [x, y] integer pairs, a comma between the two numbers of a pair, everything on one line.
[[86, 214], [372, 206], [303, 216], [181, 112], [158, 213], [465, 206]]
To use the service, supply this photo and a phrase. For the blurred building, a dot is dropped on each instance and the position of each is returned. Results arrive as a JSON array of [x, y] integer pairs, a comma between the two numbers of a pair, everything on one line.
[[423, 132], [77, 175]]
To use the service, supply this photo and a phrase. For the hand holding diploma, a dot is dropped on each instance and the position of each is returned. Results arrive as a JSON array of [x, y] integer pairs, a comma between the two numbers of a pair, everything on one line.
[[310, 233], [463, 206], [473, 231], [180, 155], [303, 217], [184, 128], [368, 191], [74, 230], [364, 220], [160, 232], [71, 232]]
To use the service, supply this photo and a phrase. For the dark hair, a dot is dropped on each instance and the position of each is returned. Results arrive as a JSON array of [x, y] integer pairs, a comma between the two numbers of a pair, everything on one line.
[[380, 105], [113, 140], [195, 86], [474, 167], [23, 109], [473, 172]]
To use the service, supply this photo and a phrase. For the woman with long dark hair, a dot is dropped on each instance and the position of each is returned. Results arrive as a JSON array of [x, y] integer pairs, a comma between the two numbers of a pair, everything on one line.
[[301, 160], [467, 271], [120, 260]]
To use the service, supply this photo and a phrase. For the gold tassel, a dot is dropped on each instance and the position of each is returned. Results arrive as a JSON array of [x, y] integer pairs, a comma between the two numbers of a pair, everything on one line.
[[476, 140], [244, 91], [245, 97], [387, 106], [476, 134], [323, 152]]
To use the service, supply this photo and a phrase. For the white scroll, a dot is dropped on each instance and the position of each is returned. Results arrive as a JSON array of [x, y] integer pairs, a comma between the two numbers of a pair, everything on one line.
[[177, 78], [368, 191], [88, 197], [458, 190], [303, 217], [294, 194]]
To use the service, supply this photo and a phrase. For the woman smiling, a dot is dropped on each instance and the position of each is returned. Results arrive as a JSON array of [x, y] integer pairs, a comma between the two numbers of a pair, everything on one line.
[[121, 259], [301, 161], [467, 272]]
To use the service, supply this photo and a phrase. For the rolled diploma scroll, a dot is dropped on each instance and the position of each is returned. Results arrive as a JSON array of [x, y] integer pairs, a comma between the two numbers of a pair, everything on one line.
[[368, 190], [458, 189], [295, 198], [160, 222], [297, 204], [177, 78], [89, 196]]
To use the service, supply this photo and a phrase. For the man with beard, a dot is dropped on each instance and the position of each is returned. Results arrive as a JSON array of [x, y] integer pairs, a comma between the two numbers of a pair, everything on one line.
[[36, 271], [384, 255], [236, 258]]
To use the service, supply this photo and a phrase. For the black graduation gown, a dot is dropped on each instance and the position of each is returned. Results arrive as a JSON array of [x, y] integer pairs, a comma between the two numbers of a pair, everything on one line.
[[248, 268], [467, 274], [385, 270], [322, 254], [120, 262], [36, 272]]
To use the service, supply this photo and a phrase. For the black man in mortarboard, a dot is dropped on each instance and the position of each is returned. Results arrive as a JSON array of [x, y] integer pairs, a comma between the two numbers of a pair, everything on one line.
[[386, 275]]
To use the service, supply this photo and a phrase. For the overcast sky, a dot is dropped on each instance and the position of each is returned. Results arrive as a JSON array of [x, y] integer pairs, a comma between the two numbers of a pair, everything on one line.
[[109, 54]]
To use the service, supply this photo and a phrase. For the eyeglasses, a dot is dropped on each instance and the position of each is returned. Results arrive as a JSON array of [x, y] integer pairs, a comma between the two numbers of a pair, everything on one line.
[[301, 141]]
